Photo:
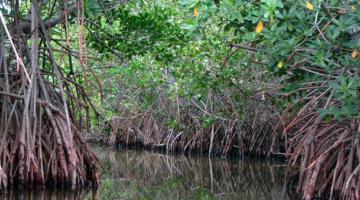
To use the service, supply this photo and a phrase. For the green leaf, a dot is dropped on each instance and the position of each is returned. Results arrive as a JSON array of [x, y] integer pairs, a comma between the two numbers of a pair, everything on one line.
[[92, 8]]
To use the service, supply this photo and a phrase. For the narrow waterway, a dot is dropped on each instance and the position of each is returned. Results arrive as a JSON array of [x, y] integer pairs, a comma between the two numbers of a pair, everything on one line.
[[135, 174]]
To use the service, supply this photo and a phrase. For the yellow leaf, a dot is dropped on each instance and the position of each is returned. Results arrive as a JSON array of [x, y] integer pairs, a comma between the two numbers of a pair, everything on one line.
[[280, 64], [196, 13], [354, 53], [259, 27], [309, 6], [353, 8]]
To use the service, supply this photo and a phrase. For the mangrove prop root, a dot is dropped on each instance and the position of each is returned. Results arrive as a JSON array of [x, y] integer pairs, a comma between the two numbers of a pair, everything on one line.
[[325, 155], [222, 137], [328, 153], [39, 140]]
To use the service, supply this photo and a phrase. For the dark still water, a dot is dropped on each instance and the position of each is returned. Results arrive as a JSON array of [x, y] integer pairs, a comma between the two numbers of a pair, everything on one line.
[[144, 175]]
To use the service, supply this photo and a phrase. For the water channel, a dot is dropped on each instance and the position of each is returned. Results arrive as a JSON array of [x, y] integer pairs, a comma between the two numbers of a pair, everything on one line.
[[146, 175]]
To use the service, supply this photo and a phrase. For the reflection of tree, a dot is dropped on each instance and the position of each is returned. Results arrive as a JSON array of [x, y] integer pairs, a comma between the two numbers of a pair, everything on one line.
[[42, 194], [154, 173]]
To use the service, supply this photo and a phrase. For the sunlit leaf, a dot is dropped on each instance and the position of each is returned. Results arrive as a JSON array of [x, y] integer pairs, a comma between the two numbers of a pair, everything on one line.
[[354, 53], [309, 5], [196, 13], [280, 64], [259, 27]]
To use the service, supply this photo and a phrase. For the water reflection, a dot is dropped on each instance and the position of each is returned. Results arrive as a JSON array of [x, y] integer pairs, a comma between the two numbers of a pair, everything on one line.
[[44, 194], [147, 175]]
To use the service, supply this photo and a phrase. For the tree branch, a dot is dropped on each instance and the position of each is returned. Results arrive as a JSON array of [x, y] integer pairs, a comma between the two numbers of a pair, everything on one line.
[[53, 21]]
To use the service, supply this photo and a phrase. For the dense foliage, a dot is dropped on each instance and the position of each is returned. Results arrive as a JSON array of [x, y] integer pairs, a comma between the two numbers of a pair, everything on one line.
[[165, 48], [165, 45], [201, 71]]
